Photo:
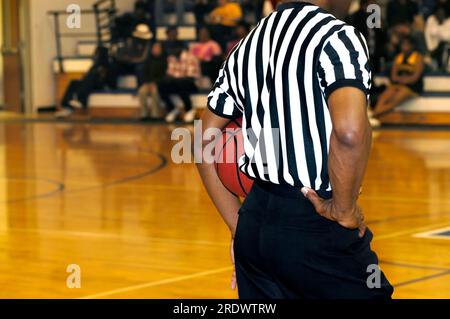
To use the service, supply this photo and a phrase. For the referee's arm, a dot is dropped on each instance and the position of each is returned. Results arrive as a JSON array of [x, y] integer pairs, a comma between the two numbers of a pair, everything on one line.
[[347, 80], [226, 202], [348, 156], [221, 109]]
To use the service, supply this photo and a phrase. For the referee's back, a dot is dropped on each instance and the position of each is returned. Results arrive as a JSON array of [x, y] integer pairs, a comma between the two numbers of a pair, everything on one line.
[[279, 79]]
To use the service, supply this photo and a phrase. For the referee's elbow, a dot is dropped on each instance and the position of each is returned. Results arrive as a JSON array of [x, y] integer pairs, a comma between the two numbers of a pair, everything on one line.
[[353, 136]]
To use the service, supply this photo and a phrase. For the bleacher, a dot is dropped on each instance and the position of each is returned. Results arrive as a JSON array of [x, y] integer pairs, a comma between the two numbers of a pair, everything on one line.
[[122, 102], [432, 108]]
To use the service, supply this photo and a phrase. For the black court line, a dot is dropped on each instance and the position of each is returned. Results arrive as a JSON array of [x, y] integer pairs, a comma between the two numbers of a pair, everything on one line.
[[391, 219], [59, 188], [413, 281], [443, 272], [163, 163], [406, 265], [62, 189]]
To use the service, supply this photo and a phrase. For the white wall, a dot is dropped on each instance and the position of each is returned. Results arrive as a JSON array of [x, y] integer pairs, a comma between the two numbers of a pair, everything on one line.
[[43, 48]]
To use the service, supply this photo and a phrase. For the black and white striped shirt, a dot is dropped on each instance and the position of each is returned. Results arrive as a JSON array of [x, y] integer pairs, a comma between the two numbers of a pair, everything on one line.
[[279, 79]]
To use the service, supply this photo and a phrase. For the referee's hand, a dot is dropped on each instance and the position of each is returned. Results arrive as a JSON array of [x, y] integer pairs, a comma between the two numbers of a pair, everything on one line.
[[353, 219]]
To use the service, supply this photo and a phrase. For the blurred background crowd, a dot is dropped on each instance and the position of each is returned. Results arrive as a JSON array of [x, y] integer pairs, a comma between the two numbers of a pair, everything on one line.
[[413, 39]]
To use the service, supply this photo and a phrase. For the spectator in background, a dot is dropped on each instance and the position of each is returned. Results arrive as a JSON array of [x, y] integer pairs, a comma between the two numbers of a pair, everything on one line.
[[131, 54], [437, 31], [125, 24], [172, 45], [98, 77], [227, 13], [182, 72], [201, 10], [401, 11], [208, 52], [400, 31], [223, 20], [406, 78], [154, 71], [240, 32]]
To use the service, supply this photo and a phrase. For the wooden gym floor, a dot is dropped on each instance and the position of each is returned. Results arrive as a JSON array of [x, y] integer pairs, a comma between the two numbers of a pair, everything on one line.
[[107, 198]]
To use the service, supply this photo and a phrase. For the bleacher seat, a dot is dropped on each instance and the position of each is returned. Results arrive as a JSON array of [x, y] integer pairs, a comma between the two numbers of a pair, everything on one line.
[[431, 108], [126, 98]]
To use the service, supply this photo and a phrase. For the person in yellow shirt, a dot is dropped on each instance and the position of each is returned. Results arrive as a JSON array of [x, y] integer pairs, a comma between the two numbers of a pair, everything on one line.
[[228, 13], [406, 78], [223, 20]]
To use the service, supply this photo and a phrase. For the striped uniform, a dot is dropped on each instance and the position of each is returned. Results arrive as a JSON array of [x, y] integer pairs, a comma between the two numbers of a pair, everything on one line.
[[279, 79]]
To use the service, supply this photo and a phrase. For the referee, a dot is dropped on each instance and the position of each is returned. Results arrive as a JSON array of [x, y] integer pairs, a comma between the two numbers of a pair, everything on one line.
[[300, 80]]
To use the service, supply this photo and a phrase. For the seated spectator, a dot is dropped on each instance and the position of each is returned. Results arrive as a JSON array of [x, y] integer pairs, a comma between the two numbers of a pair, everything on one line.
[[437, 32], [131, 54], [172, 44], [228, 13], [206, 49], [154, 71], [208, 52], [406, 78], [98, 77], [401, 11], [201, 9], [182, 72], [125, 25], [224, 19], [400, 31], [240, 32]]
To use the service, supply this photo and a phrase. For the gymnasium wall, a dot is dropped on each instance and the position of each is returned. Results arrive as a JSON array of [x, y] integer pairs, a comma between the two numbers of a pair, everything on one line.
[[1, 59], [42, 43]]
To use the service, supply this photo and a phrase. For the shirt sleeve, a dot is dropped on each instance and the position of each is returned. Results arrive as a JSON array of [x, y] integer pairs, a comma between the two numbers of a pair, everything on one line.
[[344, 61], [221, 100]]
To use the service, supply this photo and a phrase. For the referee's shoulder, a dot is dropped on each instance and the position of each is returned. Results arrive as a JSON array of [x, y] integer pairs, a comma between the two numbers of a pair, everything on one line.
[[344, 29]]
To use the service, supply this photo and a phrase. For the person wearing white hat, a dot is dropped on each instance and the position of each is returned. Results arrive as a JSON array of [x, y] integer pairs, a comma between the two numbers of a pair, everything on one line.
[[143, 32], [131, 54]]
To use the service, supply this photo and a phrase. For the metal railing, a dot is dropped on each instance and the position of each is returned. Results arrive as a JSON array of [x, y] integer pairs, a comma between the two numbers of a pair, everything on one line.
[[104, 12]]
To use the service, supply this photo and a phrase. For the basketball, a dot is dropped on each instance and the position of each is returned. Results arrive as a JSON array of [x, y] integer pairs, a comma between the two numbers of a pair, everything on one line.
[[228, 151]]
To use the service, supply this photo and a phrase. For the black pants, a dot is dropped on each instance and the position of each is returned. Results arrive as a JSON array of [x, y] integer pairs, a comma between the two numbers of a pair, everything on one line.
[[82, 89], [211, 68], [285, 250], [183, 87], [77, 89]]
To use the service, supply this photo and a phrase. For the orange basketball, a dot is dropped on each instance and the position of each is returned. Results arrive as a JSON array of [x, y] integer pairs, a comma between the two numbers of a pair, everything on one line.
[[228, 152]]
